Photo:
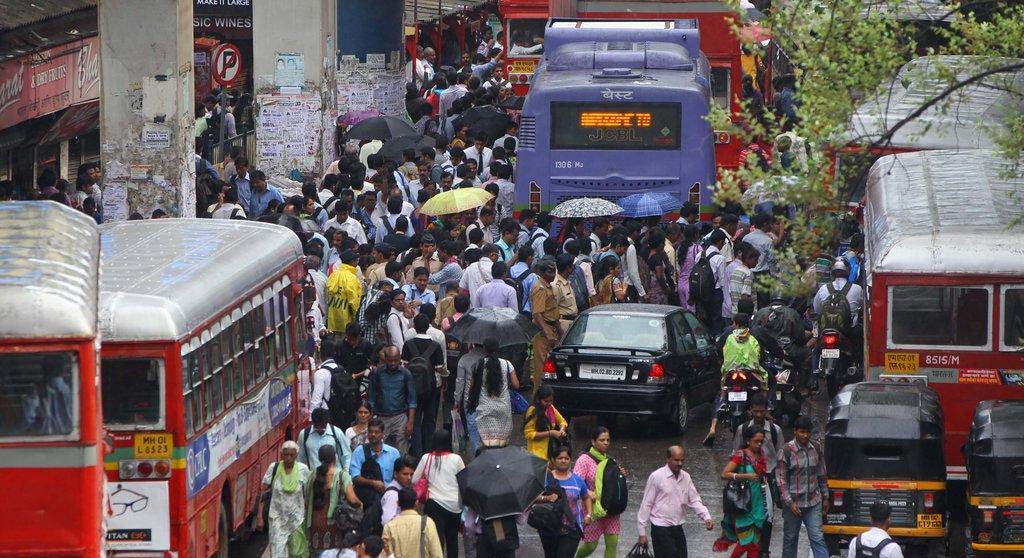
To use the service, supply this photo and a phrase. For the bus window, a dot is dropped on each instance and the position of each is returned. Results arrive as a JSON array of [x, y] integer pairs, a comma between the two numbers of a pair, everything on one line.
[[132, 393], [720, 77], [526, 37], [1013, 318], [38, 394], [939, 316]]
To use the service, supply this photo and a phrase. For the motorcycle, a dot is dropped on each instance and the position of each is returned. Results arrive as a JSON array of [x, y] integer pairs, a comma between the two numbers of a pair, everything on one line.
[[740, 386], [837, 364]]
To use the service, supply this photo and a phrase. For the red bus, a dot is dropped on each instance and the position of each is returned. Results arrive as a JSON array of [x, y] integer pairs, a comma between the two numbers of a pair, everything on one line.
[[51, 451], [946, 282], [199, 320]]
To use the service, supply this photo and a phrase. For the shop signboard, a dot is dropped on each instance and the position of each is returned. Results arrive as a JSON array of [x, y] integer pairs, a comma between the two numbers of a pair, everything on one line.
[[47, 81]]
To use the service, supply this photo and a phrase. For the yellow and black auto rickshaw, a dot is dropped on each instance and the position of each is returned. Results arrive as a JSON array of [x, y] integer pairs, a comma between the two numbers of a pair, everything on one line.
[[883, 442], [995, 480]]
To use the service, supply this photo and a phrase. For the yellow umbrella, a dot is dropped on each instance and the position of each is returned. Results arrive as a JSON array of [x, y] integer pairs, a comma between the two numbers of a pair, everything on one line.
[[456, 201]]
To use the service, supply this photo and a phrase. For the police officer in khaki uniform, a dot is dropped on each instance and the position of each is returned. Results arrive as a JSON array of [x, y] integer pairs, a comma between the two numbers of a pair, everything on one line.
[[546, 316], [566, 300]]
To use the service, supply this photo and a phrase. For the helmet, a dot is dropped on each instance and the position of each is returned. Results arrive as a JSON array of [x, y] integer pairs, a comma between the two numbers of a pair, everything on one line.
[[840, 265]]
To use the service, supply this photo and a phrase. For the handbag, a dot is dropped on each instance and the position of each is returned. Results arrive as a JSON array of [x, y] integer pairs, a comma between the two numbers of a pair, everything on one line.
[[458, 432], [640, 551], [347, 518], [266, 497], [736, 496], [422, 486], [519, 402]]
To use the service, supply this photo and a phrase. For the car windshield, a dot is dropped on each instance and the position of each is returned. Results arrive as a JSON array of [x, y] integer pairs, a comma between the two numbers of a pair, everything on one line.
[[619, 331]]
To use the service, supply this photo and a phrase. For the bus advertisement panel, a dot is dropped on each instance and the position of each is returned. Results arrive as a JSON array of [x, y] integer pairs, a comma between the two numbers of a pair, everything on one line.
[[51, 452]]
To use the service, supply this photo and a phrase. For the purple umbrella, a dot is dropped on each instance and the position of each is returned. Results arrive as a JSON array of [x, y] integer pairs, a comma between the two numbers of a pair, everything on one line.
[[356, 116]]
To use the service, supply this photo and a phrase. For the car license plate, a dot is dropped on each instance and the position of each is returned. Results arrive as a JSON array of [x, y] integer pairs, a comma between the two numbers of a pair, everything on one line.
[[737, 396], [929, 520], [830, 353], [602, 372]]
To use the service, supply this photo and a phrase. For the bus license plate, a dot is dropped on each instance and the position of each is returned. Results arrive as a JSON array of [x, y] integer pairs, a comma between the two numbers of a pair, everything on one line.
[[737, 396], [929, 520], [153, 446], [830, 353]]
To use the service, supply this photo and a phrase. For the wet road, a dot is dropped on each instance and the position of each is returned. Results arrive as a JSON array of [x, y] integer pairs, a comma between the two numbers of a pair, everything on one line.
[[640, 448]]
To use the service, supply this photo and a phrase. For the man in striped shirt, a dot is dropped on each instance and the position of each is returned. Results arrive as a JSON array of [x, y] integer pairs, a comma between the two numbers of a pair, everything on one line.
[[802, 487]]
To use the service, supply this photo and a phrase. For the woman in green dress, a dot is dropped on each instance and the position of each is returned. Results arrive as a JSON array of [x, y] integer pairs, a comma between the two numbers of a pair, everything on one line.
[[744, 529]]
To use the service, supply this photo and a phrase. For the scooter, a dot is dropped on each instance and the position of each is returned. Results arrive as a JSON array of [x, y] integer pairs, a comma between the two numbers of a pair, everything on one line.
[[837, 363], [740, 386]]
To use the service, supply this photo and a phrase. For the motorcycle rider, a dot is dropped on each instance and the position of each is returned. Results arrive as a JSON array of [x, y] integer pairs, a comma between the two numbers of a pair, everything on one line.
[[740, 352], [829, 313]]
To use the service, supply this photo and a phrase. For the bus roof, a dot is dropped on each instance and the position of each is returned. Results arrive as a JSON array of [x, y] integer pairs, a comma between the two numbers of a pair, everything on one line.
[[163, 278], [682, 32], [943, 213], [963, 124], [49, 266]]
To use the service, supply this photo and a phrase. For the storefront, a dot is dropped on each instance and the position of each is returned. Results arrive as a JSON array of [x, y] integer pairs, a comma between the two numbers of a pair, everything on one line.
[[223, 45], [49, 111]]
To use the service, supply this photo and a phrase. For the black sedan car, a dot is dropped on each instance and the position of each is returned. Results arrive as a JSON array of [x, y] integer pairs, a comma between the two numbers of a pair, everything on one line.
[[634, 359]]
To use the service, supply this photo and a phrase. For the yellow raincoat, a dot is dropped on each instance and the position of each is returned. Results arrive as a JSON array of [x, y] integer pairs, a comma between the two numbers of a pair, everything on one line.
[[344, 291]]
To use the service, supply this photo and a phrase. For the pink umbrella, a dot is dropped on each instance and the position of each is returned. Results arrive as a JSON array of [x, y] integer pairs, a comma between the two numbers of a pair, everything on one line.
[[754, 33], [356, 116]]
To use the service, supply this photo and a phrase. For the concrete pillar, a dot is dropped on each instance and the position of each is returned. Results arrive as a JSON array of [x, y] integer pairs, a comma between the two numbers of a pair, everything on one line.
[[147, 112], [299, 32], [62, 159]]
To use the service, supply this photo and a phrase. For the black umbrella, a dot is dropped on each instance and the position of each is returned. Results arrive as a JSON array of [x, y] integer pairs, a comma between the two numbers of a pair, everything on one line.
[[380, 128], [502, 481], [504, 324], [393, 148], [514, 103], [487, 119]]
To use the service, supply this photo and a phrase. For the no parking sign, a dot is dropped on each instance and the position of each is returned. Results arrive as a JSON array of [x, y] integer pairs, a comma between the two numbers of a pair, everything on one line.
[[227, 63]]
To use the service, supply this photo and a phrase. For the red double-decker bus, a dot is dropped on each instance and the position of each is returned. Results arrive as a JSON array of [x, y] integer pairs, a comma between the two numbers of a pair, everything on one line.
[[199, 321], [945, 282], [50, 437]]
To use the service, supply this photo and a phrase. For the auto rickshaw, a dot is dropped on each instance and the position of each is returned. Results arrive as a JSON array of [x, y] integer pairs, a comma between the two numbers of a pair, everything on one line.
[[883, 442], [994, 454]]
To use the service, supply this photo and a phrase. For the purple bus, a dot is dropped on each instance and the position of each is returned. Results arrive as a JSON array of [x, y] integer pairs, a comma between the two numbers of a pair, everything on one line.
[[615, 108]]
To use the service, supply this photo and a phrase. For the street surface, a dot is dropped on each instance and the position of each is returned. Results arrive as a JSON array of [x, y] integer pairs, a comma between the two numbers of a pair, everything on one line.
[[640, 449]]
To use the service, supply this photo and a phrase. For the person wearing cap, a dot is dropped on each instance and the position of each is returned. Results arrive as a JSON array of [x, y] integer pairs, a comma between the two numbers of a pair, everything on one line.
[[855, 296], [344, 293]]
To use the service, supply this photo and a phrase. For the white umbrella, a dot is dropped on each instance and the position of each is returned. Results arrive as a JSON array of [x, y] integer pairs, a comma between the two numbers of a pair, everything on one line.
[[583, 208]]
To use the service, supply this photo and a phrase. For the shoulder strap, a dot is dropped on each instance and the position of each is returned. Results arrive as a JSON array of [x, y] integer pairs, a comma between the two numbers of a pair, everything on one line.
[[387, 225], [305, 439], [846, 288], [831, 288], [536, 235], [775, 435], [334, 434], [522, 276], [273, 475], [429, 352], [877, 551]]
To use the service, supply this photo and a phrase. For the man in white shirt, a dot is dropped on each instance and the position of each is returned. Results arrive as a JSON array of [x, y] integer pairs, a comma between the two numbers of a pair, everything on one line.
[[480, 153], [478, 274], [343, 220], [424, 68], [386, 224], [511, 131], [228, 207], [397, 322], [876, 542], [452, 94], [710, 312]]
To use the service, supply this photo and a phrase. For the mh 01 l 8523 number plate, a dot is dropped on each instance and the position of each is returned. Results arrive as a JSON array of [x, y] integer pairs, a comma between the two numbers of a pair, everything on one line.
[[830, 353], [602, 372]]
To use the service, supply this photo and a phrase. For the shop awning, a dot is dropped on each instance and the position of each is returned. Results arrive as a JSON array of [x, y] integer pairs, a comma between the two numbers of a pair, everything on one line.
[[427, 10], [76, 121]]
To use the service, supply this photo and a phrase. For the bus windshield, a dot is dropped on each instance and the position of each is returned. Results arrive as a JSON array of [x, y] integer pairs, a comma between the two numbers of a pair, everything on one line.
[[38, 394], [132, 393]]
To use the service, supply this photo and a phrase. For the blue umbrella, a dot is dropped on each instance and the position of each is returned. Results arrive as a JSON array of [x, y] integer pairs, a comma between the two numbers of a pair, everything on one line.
[[648, 204]]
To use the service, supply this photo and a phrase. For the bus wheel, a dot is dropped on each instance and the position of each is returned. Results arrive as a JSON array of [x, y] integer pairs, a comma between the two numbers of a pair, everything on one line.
[[223, 532]]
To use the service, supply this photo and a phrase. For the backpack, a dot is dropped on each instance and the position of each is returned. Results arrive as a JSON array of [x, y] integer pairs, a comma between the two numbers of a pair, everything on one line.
[[861, 551], [549, 517], [372, 510], [501, 534], [702, 280], [517, 284], [423, 381], [835, 310], [611, 488], [578, 283]]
